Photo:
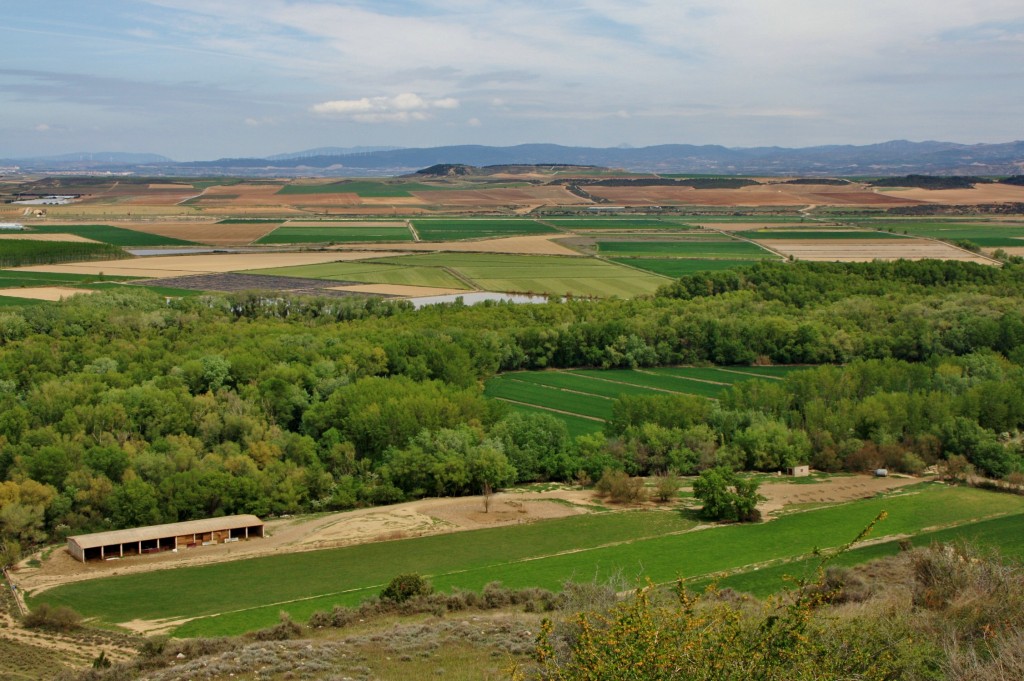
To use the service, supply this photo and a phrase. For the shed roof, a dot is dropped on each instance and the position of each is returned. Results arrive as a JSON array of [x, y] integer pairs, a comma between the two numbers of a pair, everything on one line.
[[134, 534]]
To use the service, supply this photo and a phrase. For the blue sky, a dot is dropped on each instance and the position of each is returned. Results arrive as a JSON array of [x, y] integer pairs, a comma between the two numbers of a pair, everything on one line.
[[204, 79]]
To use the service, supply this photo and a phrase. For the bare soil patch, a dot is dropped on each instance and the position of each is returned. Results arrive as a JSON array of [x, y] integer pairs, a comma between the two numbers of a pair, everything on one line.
[[982, 193], [176, 265], [556, 195], [33, 236], [865, 250], [210, 232], [51, 293], [830, 490]]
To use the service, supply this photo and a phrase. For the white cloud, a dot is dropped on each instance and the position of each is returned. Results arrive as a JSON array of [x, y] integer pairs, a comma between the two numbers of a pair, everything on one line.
[[474, 122], [401, 108], [42, 127]]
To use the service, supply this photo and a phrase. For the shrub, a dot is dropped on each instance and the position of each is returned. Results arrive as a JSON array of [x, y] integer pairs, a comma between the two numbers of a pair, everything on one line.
[[619, 488], [284, 630], [404, 587], [60, 618]]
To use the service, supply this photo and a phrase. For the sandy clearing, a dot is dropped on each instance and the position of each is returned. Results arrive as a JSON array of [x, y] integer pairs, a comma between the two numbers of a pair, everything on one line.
[[346, 223], [982, 193], [32, 236], [51, 293], [210, 232], [831, 490], [175, 265], [865, 250], [398, 290], [542, 244]]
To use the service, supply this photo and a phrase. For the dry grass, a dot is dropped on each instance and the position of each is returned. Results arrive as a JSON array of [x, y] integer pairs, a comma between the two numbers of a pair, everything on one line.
[[50, 293]]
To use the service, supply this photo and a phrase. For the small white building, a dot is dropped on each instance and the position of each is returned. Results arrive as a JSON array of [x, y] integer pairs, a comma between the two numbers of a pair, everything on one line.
[[12, 226], [798, 471]]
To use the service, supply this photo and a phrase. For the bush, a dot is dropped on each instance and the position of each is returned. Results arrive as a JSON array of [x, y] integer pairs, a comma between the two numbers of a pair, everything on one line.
[[619, 488], [284, 630], [60, 618], [403, 587]]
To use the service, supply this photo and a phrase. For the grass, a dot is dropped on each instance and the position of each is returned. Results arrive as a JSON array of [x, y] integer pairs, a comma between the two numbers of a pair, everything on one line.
[[107, 234], [249, 594], [367, 188], [732, 249], [651, 378], [679, 267], [455, 229], [392, 271], [23, 252], [15, 278], [618, 223], [989, 235], [584, 404], [576, 425], [334, 234]]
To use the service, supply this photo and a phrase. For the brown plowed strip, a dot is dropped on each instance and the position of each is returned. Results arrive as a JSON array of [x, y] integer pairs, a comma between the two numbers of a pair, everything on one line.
[[34, 236], [51, 293]]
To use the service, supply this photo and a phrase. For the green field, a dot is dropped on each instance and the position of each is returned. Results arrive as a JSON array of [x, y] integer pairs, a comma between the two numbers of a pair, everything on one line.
[[334, 234], [818, 234], [619, 223], [576, 425], [455, 229], [680, 267], [380, 271], [25, 252], [15, 278], [658, 381], [239, 596], [367, 188], [107, 234], [509, 388], [733, 249], [986, 234]]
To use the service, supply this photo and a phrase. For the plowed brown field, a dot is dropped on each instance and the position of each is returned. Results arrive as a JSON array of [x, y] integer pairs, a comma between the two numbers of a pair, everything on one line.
[[32, 236], [982, 193], [205, 232], [760, 195], [539, 244], [549, 195], [51, 293]]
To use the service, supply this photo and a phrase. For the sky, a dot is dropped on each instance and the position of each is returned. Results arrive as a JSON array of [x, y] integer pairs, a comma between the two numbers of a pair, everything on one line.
[[207, 79]]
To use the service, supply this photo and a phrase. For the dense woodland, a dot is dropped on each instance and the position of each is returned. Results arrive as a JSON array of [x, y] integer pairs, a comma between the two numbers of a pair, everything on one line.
[[121, 408]]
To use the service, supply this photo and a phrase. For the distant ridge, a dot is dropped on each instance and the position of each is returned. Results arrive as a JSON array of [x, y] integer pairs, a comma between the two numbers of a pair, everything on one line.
[[898, 157]]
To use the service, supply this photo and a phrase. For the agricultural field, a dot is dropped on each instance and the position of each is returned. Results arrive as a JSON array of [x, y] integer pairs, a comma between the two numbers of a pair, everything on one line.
[[986, 233], [310, 233], [367, 188], [108, 234], [455, 229], [552, 275], [589, 393], [632, 223], [729, 249], [634, 545], [679, 267], [19, 252], [811, 233]]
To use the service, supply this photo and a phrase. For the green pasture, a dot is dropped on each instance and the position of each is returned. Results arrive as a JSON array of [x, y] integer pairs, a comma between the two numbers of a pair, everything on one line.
[[16, 278], [229, 598], [25, 252], [378, 271], [367, 188], [566, 380], [772, 371], [699, 248], [651, 378], [455, 229], [680, 267], [334, 234], [576, 425], [107, 234], [819, 234], [550, 274]]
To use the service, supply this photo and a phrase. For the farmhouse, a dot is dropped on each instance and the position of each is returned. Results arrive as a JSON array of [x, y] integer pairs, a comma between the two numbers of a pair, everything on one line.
[[156, 538]]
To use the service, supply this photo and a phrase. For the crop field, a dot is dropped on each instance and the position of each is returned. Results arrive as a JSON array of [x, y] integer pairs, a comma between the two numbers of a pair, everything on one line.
[[19, 252], [635, 545], [12, 278], [454, 229], [117, 236], [830, 234], [866, 250], [361, 188], [656, 381], [732, 249], [375, 271], [576, 425], [554, 399], [985, 234], [305, 234], [638, 222], [679, 267]]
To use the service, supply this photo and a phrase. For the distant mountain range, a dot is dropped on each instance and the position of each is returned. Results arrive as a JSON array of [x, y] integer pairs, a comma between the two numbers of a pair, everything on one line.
[[888, 158]]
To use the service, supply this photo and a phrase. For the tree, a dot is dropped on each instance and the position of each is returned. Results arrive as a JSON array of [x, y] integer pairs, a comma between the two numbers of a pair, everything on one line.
[[727, 496]]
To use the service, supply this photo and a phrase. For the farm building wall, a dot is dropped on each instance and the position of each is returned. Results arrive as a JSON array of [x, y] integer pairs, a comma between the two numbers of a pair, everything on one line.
[[158, 538]]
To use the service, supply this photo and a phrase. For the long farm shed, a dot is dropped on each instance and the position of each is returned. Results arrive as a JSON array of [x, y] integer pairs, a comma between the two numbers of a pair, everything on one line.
[[156, 538]]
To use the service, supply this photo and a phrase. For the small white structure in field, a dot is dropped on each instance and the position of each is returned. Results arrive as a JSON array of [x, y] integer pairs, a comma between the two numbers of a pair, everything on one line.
[[12, 226], [798, 471], [881, 472]]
